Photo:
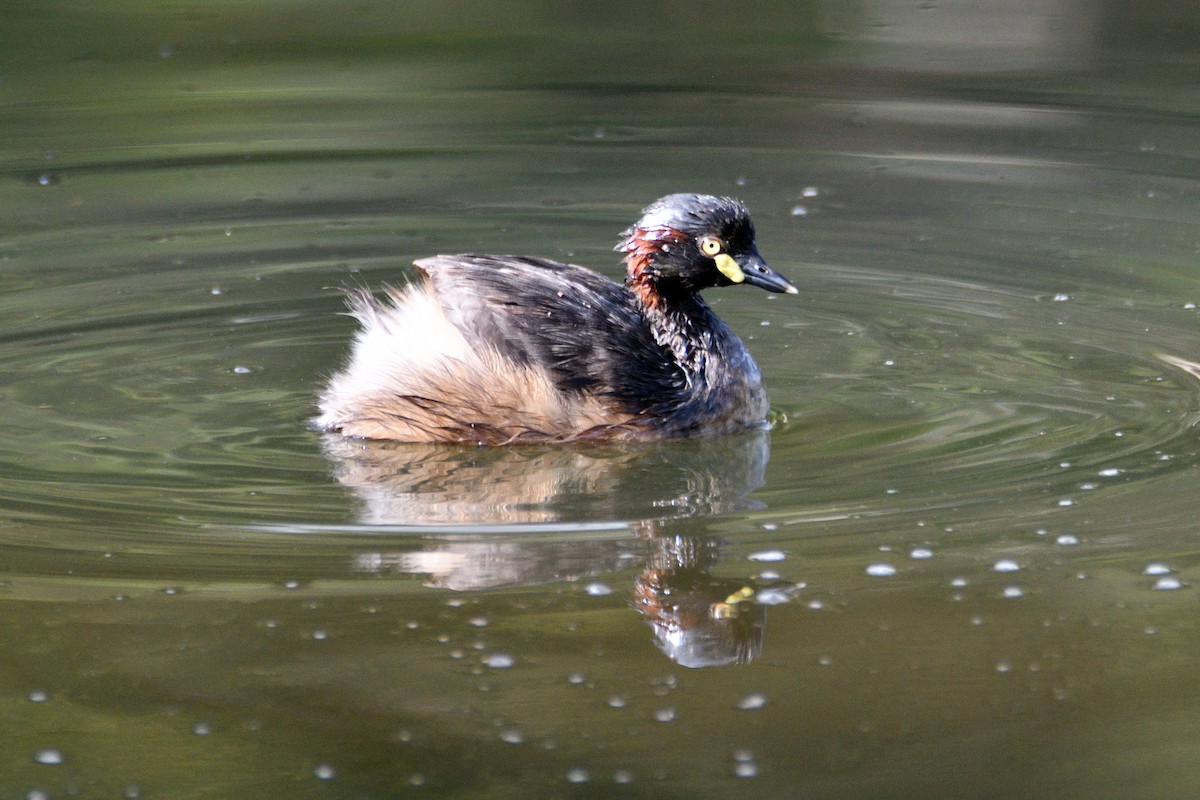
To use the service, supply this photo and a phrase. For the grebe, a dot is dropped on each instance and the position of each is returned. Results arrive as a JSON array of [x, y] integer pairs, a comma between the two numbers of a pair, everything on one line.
[[496, 349]]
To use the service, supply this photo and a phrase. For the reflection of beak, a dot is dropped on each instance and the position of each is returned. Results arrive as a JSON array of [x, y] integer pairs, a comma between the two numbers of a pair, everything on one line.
[[729, 608], [752, 269]]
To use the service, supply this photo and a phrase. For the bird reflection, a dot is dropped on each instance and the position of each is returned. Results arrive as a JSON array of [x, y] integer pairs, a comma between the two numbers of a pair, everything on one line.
[[698, 620], [504, 517], [437, 484]]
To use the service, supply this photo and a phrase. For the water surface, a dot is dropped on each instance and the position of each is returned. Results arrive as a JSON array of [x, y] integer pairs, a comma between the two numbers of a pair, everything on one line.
[[960, 564]]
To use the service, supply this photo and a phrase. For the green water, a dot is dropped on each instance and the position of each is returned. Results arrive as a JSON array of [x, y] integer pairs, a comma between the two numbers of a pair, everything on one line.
[[972, 531]]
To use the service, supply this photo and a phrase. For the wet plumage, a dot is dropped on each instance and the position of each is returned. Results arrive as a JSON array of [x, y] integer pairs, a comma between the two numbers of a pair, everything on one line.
[[498, 349]]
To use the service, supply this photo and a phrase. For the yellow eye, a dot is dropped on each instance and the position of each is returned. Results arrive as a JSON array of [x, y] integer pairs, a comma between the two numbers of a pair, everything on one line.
[[711, 246]]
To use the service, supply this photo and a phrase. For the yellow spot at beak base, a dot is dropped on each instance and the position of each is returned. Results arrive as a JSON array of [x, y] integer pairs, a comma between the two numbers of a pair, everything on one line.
[[729, 268]]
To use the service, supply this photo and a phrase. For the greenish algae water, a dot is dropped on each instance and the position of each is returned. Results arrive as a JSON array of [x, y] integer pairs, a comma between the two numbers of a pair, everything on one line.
[[970, 537]]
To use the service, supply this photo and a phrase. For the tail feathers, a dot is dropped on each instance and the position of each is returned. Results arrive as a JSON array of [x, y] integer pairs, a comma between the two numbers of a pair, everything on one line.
[[413, 377]]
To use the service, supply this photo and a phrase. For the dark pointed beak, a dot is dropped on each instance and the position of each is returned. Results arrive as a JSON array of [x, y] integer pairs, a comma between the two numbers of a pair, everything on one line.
[[759, 273]]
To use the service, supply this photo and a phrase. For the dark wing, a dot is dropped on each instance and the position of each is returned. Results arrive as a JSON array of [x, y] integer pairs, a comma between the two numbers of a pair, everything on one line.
[[582, 328]]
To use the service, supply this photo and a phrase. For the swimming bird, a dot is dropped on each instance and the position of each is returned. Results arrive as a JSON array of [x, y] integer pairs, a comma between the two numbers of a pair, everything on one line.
[[497, 349]]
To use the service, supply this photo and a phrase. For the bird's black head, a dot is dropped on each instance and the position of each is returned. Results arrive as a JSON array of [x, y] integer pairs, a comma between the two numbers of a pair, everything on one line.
[[687, 242]]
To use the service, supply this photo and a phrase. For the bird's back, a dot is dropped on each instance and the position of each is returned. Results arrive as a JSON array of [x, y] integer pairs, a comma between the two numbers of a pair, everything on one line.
[[498, 349], [583, 329]]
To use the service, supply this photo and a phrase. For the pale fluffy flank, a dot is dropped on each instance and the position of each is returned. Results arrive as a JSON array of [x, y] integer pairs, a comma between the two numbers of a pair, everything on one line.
[[412, 376]]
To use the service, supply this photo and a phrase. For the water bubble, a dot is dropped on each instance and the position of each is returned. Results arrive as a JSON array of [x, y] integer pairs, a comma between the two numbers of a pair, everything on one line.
[[881, 570], [499, 660], [1066, 539], [1157, 568], [767, 555], [578, 775], [799, 211], [576, 678], [478, 622], [512, 736], [665, 714], [958, 583], [38, 696], [1006, 565], [598, 589], [622, 776], [202, 729], [324, 772], [1168, 583], [617, 701], [416, 779], [743, 763], [810, 191], [740, 180], [772, 597], [1066, 502], [49, 755], [1061, 297], [752, 701], [240, 370], [920, 553], [1013, 591], [1109, 472], [1003, 666], [816, 605]]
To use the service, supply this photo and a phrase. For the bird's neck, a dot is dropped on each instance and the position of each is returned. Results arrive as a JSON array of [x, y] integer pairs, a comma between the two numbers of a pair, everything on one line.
[[683, 325], [679, 320]]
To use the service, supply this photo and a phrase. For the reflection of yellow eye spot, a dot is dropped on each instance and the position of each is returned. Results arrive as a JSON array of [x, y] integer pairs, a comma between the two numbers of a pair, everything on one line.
[[711, 245]]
